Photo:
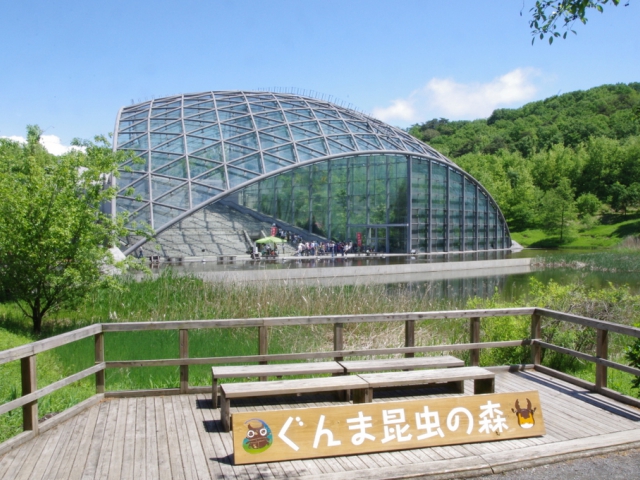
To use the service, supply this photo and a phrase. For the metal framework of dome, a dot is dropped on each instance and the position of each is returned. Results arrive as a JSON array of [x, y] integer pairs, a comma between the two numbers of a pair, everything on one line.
[[195, 149]]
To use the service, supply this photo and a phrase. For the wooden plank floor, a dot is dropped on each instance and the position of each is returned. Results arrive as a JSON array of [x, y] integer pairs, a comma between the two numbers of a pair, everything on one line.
[[179, 437]]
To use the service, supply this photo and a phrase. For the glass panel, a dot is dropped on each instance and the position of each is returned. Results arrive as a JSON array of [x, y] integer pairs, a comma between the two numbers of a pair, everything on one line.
[[305, 154], [337, 147], [176, 169], [175, 127], [141, 217], [265, 122], [281, 131], [272, 163], [228, 101], [332, 127], [139, 190], [242, 122], [294, 117], [161, 185], [196, 143], [323, 113], [163, 215], [159, 160], [138, 164], [214, 152], [128, 205], [167, 103], [228, 115], [136, 116], [207, 116], [215, 179], [236, 177], [249, 140], [206, 105], [317, 144], [156, 123], [124, 138], [345, 140], [300, 134], [212, 132], [178, 198], [175, 146], [260, 108], [285, 152], [198, 166], [200, 193], [268, 141], [166, 113], [311, 126], [232, 152], [251, 162], [139, 143], [388, 144], [127, 126], [372, 139], [229, 131], [359, 127], [191, 125], [268, 104], [160, 138], [126, 178], [277, 116]]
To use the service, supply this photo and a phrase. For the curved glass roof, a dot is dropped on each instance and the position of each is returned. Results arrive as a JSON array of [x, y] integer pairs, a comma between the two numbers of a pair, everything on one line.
[[192, 147]]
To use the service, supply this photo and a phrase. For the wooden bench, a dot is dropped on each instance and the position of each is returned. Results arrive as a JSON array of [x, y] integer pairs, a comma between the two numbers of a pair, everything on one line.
[[273, 370], [360, 366], [362, 386], [229, 391], [483, 380]]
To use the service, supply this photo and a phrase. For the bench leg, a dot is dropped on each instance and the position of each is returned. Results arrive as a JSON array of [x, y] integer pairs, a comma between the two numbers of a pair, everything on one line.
[[456, 387], [364, 395], [343, 395], [225, 412], [214, 393], [486, 385]]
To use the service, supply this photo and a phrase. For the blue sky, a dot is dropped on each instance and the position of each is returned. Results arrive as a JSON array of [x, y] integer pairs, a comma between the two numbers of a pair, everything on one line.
[[69, 66]]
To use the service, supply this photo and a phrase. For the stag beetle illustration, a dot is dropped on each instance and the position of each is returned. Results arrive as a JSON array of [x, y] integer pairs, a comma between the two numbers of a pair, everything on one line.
[[525, 415]]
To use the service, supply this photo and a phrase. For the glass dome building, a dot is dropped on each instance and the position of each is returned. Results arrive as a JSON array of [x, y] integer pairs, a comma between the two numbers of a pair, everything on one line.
[[215, 170]]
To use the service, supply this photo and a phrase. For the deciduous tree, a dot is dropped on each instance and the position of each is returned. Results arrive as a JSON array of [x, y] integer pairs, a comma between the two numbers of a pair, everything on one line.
[[53, 236]]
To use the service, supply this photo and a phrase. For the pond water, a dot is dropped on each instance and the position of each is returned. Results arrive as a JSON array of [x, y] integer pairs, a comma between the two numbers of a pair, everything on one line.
[[508, 286]]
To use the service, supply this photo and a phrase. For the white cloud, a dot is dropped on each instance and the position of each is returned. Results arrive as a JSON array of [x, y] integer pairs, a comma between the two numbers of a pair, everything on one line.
[[447, 98], [52, 143]]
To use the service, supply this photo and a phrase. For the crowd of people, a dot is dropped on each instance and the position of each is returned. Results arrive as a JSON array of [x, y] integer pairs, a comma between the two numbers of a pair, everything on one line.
[[308, 248]]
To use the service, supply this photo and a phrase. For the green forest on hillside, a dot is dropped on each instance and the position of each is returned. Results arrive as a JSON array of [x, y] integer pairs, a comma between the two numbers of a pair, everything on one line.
[[562, 165]]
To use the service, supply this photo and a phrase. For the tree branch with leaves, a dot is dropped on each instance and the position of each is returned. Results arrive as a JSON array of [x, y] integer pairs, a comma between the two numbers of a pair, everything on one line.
[[550, 17]]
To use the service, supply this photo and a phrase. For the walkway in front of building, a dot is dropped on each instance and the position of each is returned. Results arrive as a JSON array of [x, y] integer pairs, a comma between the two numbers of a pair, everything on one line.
[[180, 437]]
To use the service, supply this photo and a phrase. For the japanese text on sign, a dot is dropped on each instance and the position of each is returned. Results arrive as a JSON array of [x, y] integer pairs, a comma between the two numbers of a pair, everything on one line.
[[367, 428]]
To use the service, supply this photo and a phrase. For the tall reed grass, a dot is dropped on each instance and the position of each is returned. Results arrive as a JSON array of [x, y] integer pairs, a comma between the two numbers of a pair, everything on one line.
[[170, 297]]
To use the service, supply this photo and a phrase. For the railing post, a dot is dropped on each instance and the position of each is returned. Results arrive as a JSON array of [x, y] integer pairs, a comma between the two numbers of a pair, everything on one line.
[[263, 346], [409, 336], [474, 337], [338, 339], [536, 333], [184, 353], [29, 385], [602, 347], [99, 357]]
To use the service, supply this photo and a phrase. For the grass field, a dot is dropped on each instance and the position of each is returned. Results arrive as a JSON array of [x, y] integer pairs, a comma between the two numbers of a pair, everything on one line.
[[179, 298], [609, 232]]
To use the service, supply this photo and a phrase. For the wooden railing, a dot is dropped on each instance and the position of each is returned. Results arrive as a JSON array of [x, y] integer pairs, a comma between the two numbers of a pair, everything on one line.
[[30, 393]]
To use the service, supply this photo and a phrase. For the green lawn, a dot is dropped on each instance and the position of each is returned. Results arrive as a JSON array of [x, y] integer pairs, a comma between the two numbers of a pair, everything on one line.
[[608, 233]]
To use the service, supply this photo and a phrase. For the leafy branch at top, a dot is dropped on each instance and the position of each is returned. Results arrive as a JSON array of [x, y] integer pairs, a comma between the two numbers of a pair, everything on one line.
[[547, 14]]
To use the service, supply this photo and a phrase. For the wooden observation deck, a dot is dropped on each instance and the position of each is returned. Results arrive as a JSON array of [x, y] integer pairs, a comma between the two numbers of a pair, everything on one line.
[[175, 433]]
